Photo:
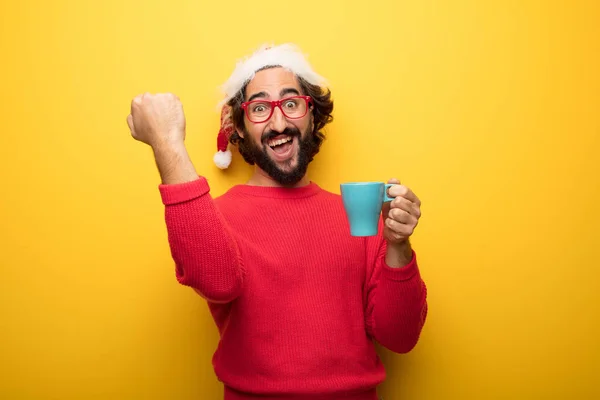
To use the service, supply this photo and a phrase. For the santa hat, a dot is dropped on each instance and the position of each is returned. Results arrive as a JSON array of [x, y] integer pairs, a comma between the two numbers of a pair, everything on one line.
[[285, 55], [222, 157]]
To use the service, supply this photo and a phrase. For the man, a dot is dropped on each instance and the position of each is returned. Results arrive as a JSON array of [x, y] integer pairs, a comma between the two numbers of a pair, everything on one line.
[[297, 300]]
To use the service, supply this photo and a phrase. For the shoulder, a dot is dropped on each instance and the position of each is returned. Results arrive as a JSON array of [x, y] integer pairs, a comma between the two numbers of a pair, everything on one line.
[[329, 195], [228, 197]]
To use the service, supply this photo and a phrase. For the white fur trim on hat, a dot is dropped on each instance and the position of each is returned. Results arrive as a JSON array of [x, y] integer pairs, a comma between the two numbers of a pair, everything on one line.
[[222, 159], [285, 55]]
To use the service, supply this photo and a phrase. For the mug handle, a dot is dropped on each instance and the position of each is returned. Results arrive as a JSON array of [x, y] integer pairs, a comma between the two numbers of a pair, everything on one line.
[[385, 193]]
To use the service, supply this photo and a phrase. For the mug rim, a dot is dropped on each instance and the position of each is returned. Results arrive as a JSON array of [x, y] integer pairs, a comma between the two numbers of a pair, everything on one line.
[[364, 183]]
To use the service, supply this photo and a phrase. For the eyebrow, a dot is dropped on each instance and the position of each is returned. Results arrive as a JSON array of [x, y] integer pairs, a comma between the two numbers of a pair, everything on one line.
[[256, 95], [283, 92], [289, 91]]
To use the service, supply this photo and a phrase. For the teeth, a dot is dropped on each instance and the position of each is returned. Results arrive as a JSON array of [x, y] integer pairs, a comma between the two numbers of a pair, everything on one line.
[[274, 143]]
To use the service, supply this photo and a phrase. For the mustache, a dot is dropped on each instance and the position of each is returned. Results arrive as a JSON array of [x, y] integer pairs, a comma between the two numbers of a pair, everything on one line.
[[291, 132]]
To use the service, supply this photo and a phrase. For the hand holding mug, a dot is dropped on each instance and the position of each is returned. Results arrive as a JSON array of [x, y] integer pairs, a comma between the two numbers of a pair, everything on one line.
[[402, 214]]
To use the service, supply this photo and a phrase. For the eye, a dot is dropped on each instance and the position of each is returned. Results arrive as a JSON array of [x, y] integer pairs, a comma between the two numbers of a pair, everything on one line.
[[259, 108], [290, 104]]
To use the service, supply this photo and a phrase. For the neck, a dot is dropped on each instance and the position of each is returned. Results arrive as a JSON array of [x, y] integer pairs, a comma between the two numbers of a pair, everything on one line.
[[261, 178]]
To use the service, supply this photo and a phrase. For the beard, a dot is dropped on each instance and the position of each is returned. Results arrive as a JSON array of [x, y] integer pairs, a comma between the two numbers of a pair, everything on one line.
[[290, 175]]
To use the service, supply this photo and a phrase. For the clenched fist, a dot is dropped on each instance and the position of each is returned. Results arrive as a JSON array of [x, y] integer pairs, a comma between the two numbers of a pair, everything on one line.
[[402, 214], [157, 119]]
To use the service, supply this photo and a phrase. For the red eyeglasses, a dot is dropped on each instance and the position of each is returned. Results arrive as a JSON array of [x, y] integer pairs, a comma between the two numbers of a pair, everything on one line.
[[293, 107]]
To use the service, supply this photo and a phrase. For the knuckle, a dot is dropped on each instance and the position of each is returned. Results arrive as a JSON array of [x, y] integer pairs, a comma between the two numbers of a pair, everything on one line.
[[408, 218], [399, 202]]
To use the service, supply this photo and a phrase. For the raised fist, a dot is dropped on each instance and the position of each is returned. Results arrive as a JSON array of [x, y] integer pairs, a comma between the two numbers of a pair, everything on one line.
[[157, 119]]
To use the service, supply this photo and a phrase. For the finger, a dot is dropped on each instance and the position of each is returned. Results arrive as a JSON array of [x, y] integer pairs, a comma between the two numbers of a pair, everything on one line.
[[392, 181], [402, 217], [130, 124], [406, 205], [399, 228], [403, 191], [137, 100]]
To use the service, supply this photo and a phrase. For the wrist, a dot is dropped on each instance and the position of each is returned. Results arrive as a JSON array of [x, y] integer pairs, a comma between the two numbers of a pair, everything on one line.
[[398, 254], [164, 145], [173, 162]]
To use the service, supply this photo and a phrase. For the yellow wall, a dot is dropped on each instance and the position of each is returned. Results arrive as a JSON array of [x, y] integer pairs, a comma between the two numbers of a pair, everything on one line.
[[488, 110]]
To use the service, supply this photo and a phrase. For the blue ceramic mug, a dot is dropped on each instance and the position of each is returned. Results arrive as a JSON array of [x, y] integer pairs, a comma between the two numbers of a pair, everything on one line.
[[363, 202]]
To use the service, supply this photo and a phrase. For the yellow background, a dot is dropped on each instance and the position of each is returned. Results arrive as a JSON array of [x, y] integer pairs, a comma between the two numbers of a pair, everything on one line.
[[489, 111]]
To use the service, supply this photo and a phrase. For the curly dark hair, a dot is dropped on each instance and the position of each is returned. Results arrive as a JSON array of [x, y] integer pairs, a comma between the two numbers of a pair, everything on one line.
[[322, 115]]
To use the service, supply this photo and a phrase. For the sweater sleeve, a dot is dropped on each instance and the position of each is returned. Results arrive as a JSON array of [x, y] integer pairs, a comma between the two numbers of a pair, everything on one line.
[[206, 256], [396, 300]]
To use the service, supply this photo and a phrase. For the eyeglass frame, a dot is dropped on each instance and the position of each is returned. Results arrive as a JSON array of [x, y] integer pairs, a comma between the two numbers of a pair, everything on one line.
[[277, 103]]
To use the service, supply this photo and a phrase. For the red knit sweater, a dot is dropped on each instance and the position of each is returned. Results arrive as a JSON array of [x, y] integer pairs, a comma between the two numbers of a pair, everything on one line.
[[298, 301]]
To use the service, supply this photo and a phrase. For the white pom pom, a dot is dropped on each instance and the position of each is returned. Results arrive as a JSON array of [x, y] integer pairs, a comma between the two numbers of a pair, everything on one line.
[[222, 159]]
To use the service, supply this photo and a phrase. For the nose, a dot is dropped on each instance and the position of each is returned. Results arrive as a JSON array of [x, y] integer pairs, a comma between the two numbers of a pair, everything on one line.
[[278, 122]]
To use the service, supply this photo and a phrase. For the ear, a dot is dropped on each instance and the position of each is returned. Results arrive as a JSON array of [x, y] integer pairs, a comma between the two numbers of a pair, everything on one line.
[[239, 132]]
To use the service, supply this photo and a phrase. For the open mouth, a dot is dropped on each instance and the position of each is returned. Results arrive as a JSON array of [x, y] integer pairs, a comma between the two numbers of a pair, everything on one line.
[[281, 144], [282, 147]]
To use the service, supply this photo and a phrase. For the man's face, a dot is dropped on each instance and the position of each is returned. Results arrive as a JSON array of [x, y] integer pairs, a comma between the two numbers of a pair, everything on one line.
[[281, 147]]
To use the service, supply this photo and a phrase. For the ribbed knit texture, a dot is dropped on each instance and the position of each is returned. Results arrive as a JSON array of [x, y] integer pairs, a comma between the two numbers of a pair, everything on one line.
[[298, 301]]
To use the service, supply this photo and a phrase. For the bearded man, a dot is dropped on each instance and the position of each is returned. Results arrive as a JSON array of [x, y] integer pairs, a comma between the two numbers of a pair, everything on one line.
[[298, 301]]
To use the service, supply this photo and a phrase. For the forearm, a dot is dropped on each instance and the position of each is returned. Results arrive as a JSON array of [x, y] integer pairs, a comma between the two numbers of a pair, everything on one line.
[[173, 163], [399, 306], [205, 253]]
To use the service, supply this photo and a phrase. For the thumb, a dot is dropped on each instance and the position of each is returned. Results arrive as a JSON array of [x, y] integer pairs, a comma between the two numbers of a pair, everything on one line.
[[130, 124], [394, 181]]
